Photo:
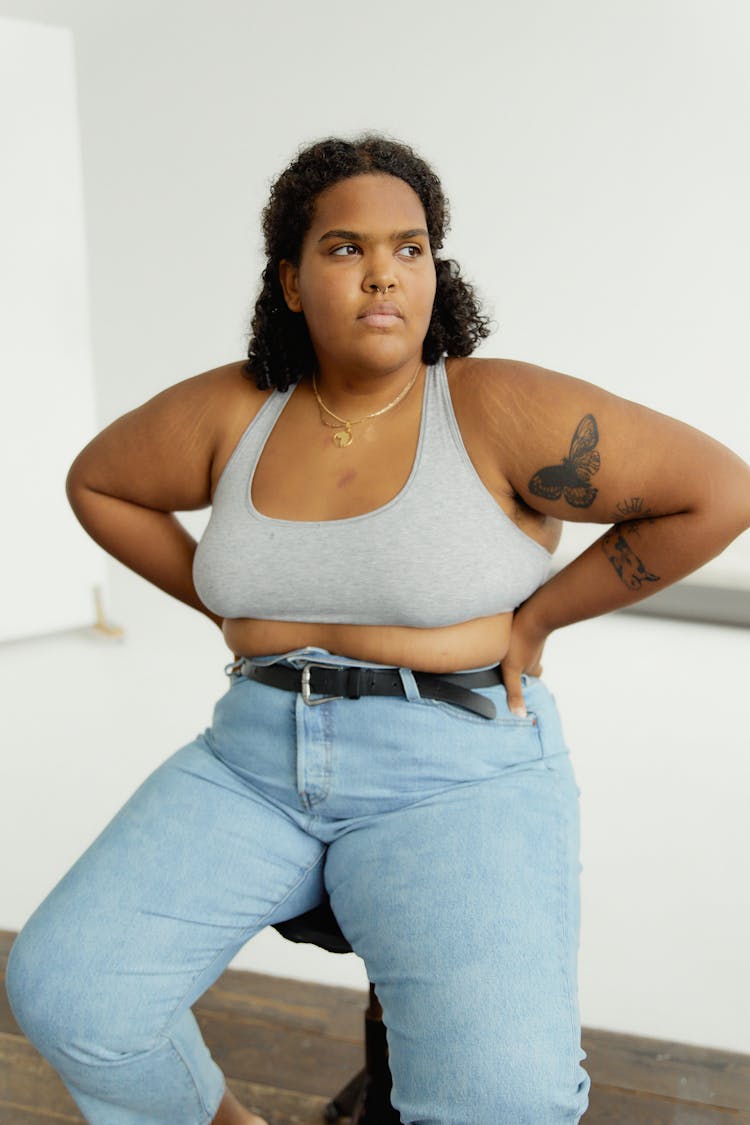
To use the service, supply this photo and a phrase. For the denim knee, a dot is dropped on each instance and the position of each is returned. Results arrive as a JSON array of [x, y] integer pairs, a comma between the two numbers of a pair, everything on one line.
[[25, 990], [120, 1067], [544, 1101], [40, 991], [501, 1100], [54, 997], [488, 1078]]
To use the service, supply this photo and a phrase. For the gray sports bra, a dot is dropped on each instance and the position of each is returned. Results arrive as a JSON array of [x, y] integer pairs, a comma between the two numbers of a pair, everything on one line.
[[440, 552]]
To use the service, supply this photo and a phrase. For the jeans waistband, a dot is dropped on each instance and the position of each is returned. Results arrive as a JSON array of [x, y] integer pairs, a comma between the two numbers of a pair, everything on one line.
[[298, 657]]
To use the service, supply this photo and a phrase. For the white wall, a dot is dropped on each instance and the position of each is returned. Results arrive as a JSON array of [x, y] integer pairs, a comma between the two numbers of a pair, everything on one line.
[[47, 406], [590, 152]]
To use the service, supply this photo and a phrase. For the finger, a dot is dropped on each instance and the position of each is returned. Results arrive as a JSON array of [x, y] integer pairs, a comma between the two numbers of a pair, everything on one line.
[[512, 681]]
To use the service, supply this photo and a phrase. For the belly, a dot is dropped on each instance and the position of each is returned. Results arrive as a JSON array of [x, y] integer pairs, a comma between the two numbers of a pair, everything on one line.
[[450, 648]]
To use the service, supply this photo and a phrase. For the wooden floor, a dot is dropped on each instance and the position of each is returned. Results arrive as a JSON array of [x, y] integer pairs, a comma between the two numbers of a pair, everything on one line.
[[287, 1047]]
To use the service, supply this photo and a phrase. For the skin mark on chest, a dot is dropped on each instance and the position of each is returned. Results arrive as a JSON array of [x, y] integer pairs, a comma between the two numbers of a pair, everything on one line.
[[346, 478]]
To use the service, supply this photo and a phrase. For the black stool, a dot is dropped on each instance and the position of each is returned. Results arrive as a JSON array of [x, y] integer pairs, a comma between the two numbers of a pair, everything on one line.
[[366, 1098]]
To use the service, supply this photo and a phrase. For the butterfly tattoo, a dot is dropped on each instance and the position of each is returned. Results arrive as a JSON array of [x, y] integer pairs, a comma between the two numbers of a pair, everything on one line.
[[571, 478]]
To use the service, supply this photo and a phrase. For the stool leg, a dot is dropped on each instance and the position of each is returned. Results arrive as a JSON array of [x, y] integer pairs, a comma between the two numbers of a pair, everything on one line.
[[347, 1099], [374, 1104]]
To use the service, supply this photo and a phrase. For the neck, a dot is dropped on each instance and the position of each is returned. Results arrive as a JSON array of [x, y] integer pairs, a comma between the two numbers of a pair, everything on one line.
[[361, 391]]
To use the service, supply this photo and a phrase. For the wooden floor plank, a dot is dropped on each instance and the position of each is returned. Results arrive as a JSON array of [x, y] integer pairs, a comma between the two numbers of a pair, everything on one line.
[[7, 937], [625, 1107], [319, 1008], [280, 1107], [284, 1057], [27, 1080], [12, 1114], [676, 1070]]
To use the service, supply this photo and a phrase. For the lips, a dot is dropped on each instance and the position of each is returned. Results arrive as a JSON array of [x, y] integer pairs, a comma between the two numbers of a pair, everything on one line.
[[383, 314]]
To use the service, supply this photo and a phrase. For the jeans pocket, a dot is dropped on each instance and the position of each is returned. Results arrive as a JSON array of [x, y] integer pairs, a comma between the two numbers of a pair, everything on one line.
[[505, 741]]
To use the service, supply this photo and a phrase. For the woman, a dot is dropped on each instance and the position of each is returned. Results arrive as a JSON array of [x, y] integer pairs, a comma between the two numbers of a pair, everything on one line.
[[384, 512]]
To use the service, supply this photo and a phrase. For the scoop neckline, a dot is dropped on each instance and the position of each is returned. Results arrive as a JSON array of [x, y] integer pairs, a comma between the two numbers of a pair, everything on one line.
[[250, 506]]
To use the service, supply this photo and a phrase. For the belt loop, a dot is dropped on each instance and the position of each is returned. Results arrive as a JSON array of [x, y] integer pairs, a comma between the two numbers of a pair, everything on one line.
[[353, 682], [411, 691]]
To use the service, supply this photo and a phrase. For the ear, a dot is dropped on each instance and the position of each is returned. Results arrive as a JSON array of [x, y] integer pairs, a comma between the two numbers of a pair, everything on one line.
[[289, 280]]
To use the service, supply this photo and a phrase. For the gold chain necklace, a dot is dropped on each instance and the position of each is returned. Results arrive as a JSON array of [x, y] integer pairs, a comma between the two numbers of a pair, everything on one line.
[[343, 436]]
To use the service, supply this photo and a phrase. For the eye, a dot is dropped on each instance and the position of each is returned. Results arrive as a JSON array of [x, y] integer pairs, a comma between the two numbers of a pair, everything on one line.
[[346, 246], [413, 246]]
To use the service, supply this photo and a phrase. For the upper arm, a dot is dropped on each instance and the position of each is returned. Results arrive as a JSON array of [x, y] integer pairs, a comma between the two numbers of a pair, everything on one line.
[[160, 454], [580, 453]]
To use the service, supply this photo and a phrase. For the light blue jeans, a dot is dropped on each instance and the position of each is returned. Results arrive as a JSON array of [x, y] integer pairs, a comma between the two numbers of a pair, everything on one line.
[[448, 844]]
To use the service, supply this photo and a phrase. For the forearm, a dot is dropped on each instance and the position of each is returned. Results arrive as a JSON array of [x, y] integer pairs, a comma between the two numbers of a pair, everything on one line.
[[630, 561], [152, 543]]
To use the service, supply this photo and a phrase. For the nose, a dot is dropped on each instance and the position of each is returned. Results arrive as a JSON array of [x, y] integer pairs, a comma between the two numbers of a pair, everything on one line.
[[380, 276]]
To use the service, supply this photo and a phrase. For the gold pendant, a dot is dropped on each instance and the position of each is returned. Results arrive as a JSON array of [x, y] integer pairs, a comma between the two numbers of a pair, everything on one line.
[[343, 437]]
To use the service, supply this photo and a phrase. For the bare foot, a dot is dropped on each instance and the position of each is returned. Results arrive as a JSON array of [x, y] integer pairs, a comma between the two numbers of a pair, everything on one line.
[[231, 1112]]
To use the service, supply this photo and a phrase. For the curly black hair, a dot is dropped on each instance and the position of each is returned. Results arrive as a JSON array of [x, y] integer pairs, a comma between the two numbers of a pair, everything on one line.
[[280, 350]]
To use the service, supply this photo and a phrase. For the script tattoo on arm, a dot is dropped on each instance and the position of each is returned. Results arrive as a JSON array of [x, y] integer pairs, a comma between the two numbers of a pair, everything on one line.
[[630, 568], [571, 477]]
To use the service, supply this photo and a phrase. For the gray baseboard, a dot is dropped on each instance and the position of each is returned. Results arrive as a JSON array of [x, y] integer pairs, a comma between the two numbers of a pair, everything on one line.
[[691, 601]]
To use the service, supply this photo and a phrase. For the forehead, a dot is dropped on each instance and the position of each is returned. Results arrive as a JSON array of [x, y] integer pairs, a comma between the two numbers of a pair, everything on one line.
[[368, 203]]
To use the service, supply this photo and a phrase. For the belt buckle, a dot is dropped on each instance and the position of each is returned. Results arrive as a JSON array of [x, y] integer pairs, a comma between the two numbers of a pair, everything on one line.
[[306, 686]]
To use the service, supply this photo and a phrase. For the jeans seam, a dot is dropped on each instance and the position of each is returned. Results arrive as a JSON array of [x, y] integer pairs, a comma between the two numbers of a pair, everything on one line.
[[328, 735], [470, 719], [183, 1060], [571, 994], [303, 876], [574, 1040], [257, 925]]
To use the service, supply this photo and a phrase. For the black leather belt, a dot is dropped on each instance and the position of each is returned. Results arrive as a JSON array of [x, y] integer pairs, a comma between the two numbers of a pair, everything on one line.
[[342, 682]]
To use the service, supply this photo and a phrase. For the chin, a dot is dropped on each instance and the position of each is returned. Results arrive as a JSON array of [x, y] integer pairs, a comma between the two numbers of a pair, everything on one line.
[[387, 342], [380, 352]]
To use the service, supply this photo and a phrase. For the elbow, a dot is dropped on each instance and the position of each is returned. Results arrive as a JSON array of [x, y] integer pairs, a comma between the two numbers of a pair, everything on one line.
[[73, 483], [740, 499], [726, 502], [745, 517], [731, 518], [76, 484]]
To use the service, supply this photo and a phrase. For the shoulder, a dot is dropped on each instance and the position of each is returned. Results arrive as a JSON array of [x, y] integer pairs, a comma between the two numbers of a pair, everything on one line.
[[510, 402], [223, 402], [163, 452], [214, 393], [510, 381], [571, 448], [513, 400], [205, 410]]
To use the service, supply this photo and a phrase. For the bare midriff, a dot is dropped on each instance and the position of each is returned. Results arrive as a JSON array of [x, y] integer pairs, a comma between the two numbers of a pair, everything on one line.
[[448, 648]]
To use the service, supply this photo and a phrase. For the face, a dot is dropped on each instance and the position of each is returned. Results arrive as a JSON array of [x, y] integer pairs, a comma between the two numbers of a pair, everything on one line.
[[367, 232]]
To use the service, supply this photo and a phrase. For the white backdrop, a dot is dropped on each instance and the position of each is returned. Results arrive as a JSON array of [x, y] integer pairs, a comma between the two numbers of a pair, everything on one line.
[[47, 409], [593, 155]]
